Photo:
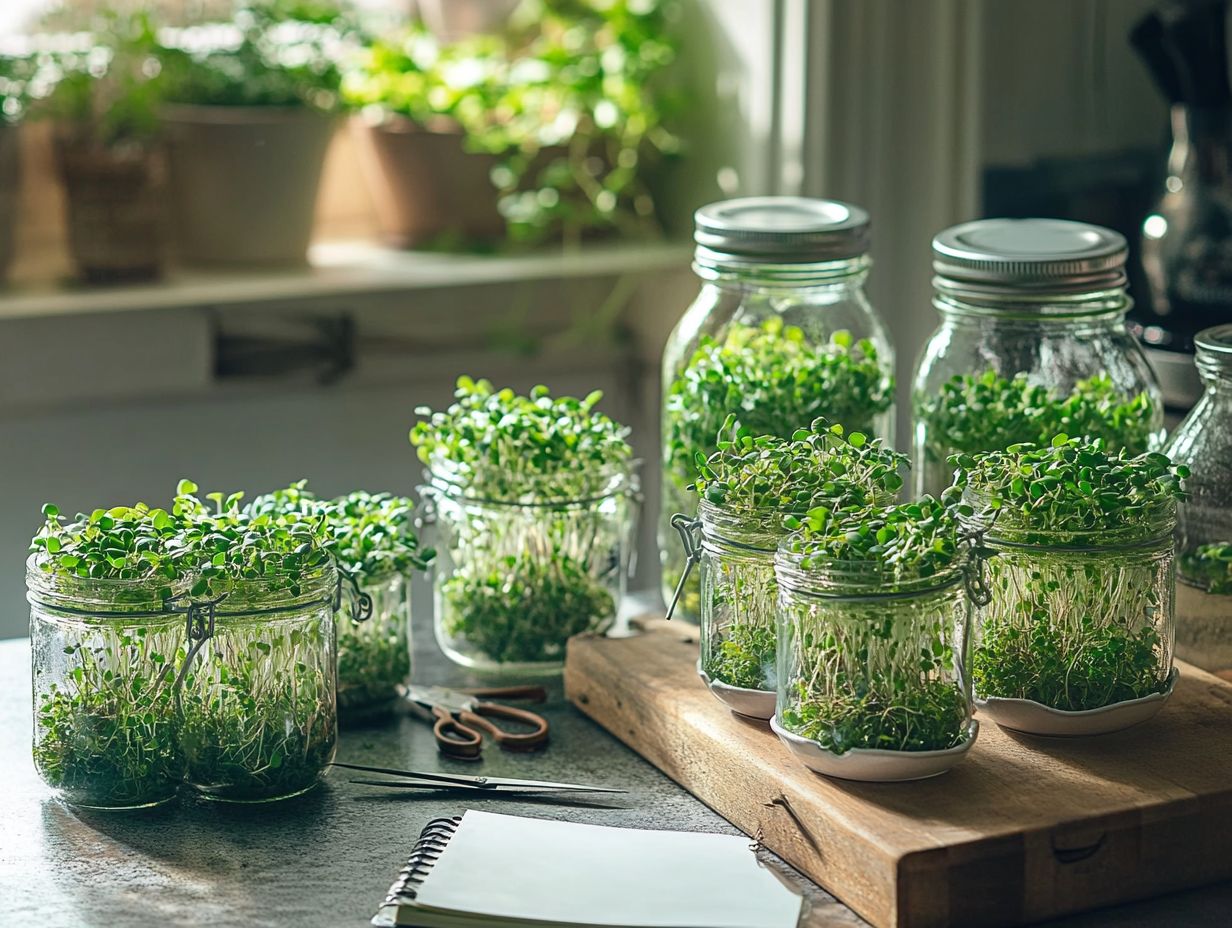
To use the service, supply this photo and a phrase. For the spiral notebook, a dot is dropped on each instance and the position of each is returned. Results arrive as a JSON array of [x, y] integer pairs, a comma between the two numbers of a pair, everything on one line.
[[482, 869]]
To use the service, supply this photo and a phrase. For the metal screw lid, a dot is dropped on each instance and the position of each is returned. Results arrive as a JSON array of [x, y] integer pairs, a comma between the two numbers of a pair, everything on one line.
[[1213, 348], [998, 257], [780, 230]]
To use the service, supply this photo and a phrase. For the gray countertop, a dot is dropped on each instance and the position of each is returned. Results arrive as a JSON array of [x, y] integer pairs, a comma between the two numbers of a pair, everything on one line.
[[327, 858]]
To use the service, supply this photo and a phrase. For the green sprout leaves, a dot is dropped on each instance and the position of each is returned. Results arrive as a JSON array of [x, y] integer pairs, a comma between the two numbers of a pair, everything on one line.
[[1209, 566]]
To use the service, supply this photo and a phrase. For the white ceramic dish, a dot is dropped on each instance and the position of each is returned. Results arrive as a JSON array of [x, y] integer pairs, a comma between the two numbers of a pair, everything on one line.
[[1033, 718], [756, 704], [874, 765]]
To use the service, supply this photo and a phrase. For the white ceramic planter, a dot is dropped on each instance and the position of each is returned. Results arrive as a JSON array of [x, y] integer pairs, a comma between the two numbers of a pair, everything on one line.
[[873, 765], [1033, 718], [756, 704]]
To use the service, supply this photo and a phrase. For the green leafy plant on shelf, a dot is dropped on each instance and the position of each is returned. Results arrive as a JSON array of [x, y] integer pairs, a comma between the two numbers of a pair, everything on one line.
[[25, 77], [377, 544], [778, 380], [1081, 578], [531, 495], [987, 412], [277, 53], [106, 732], [1209, 566], [257, 717], [571, 98], [756, 481], [870, 671]]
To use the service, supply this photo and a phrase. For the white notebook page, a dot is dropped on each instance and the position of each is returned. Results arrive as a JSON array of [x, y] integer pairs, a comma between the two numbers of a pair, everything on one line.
[[511, 867]]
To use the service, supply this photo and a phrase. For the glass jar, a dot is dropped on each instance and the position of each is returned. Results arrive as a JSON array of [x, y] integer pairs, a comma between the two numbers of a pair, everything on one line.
[[515, 579], [103, 655], [1032, 343], [1203, 443], [1075, 621], [374, 655], [873, 661], [780, 333], [259, 717]]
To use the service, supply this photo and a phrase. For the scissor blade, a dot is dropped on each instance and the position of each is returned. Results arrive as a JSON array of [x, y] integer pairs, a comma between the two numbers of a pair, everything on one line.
[[449, 779], [507, 784], [532, 787]]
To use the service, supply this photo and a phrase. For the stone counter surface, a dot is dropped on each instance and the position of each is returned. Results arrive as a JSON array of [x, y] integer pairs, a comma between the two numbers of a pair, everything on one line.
[[327, 858]]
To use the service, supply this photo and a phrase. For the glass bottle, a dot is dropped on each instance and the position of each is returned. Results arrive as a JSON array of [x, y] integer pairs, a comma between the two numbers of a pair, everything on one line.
[[103, 655], [780, 333], [259, 716], [1032, 343], [515, 579], [374, 656], [1203, 442]]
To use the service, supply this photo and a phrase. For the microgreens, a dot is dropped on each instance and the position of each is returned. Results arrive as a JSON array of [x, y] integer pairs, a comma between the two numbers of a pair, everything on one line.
[[497, 445], [792, 475], [1062, 492], [987, 412], [1209, 566]]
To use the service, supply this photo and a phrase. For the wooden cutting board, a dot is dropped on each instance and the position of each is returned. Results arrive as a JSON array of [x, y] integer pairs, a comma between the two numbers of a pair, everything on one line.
[[1025, 828]]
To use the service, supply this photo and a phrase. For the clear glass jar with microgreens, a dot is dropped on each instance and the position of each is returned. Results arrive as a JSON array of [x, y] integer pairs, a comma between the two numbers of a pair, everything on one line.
[[1032, 343], [1203, 443], [874, 621], [104, 658], [1081, 582], [753, 489], [533, 500], [259, 718], [781, 332]]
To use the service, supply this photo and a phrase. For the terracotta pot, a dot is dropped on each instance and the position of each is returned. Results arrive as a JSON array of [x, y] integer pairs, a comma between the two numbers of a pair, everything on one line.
[[113, 209], [425, 186], [244, 181], [10, 185]]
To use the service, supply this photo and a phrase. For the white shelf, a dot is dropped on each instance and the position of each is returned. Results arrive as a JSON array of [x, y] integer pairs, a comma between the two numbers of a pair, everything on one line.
[[340, 269]]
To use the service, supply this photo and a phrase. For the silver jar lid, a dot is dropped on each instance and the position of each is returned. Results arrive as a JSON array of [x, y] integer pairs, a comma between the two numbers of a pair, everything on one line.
[[780, 230], [1213, 348], [1041, 256]]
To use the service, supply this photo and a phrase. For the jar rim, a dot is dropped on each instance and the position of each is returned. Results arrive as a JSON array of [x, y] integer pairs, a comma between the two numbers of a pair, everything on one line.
[[615, 480], [832, 578], [1030, 305], [1156, 527]]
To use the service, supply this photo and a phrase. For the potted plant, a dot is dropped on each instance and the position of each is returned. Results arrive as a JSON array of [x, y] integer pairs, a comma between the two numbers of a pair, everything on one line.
[[544, 132], [104, 645], [105, 137], [258, 716], [532, 502], [874, 680], [1077, 635], [377, 545], [747, 488], [248, 120], [778, 378]]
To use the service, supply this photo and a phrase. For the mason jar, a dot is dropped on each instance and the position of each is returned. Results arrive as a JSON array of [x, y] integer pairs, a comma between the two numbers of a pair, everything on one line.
[[374, 655], [1032, 341], [1203, 443], [781, 332], [1075, 622], [103, 655], [259, 717], [515, 579], [873, 667]]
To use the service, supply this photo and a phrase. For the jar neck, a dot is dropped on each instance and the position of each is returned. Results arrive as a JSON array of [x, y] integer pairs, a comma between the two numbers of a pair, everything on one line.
[[1005, 527], [563, 489], [86, 596], [1098, 308], [830, 579], [730, 531], [732, 272], [277, 595]]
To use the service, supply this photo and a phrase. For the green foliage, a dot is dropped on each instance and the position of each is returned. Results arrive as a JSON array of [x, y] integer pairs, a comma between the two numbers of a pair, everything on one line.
[[273, 53], [524, 609], [1062, 492], [106, 93], [1209, 566], [766, 473], [497, 445], [571, 98], [777, 381], [931, 716], [986, 412], [25, 77], [744, 657]]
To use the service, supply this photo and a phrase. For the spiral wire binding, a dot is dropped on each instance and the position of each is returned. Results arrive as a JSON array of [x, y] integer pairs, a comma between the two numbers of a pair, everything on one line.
[[428, 849]]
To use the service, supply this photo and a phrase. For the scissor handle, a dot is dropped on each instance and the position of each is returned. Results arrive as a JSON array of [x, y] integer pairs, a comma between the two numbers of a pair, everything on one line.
[[481, 714], [453, 738]]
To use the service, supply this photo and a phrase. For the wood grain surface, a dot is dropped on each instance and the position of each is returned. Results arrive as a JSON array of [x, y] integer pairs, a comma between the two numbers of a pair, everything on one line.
[[1026, 828]]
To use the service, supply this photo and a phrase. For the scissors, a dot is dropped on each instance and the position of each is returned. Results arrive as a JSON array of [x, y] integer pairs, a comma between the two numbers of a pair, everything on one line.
[[460, 719], [414, 780]]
